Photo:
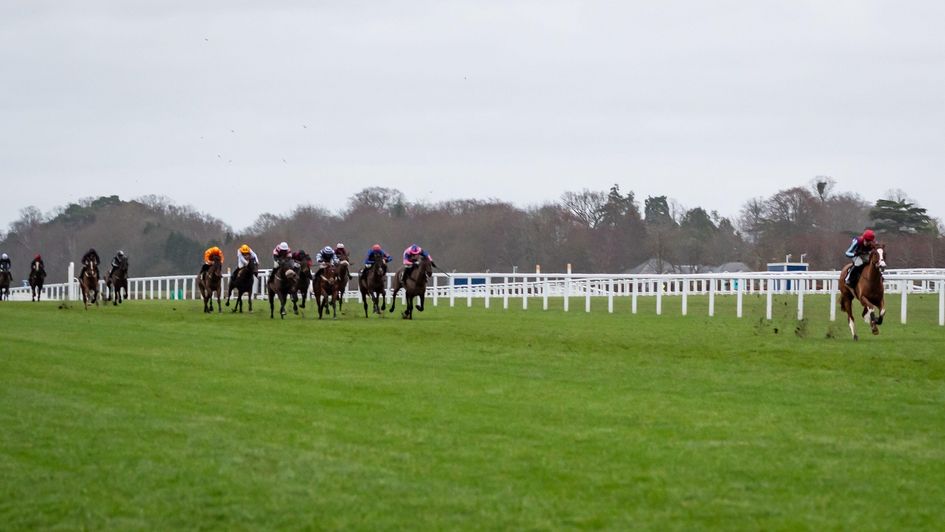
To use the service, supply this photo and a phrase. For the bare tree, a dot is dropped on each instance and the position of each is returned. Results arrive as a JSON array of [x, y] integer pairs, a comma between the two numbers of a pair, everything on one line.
[[586, 206]]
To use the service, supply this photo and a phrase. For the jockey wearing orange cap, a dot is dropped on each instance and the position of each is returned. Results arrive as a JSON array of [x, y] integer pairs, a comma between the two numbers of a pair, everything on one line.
[[859, 251], [244, 256], [211, 254]]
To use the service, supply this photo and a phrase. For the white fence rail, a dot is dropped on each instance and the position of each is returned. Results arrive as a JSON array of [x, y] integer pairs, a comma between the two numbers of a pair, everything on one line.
[[506, 288]]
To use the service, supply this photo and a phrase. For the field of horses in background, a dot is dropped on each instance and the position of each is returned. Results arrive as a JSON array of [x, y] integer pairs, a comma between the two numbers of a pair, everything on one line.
[[604, 292]]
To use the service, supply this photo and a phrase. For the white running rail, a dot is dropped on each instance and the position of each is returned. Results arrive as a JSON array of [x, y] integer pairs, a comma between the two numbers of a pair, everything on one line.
[[523, 289]]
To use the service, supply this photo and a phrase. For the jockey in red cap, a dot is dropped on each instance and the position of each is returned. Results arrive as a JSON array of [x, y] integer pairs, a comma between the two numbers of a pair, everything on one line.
[[859, 251]]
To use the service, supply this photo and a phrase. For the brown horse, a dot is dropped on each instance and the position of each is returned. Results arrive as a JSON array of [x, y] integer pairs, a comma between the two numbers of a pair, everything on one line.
[[305, 278], [342, 276], [371, 283], [210, 282], [117, 281], [243, 284], [5, 278], [37, 278], [325, 288], [88, 283], [415, 285], [868, 291], [283, 283]]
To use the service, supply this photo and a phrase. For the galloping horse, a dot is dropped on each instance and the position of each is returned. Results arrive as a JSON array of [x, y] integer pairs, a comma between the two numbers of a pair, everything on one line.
[[868, 291], [371, 283], [37, 278], [210, 282], [88, 282], [245, 279], [305, 278], [284, 283], [415, 285], [342, 277], [324, 288], [118, 281], [5, 278]]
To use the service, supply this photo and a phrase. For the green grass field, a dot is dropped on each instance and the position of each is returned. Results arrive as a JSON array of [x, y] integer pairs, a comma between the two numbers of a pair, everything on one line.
[[156, 416]]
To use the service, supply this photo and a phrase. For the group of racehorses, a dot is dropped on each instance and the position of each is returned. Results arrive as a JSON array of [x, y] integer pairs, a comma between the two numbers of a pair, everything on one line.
[[36, 280], [116, 283], [293, 280]]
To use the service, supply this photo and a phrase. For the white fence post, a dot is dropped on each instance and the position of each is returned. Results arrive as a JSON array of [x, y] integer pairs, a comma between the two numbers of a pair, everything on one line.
[[544, 292], [633, 295], [71, 281], [505, 293], [941, 303], [587, 295], [436, 289], [902, 311], [525, 292], [610, 295], [740, 292], [685, 297], [567, 292], [452, 292], [488, 287], [801, 287], [711, 297], [659, 298], [769, 296], [834, 291]]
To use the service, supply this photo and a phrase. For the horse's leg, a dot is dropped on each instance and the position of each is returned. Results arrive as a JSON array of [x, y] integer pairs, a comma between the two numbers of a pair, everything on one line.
[[846, 304], [420, 304], [249, 297], [364, 301], [282, 304], [882, 311], [271, 304], [295, 303]]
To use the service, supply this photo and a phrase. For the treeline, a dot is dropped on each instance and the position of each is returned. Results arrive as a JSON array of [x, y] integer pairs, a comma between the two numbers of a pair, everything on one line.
[[595, 231]]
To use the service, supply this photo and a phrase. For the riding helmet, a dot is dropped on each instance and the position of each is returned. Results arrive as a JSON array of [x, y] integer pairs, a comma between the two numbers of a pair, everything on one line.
[[244, 249], [869, 235]]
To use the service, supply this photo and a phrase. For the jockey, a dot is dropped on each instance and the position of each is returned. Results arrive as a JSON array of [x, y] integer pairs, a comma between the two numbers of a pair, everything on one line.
[[302, 257], [325, 257], [116, 262], [38, 259], [412, 256], [244, 256], [859, 251], [375, 254], [90, 259], [209, 255], [4, 262], [341, 252], [280, 253]]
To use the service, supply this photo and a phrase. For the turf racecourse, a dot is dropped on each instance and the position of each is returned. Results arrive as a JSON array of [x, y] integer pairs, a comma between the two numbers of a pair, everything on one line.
[[156, 416]]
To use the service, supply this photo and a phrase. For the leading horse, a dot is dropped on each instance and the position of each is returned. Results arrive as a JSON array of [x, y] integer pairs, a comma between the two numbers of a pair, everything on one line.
[[117, 281], [868, 291], [414, 285], [210, 282], [88, 282], [36, 280]]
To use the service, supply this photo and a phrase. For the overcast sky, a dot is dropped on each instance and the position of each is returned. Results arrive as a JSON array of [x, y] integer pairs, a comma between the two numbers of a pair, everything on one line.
[[242, 107]]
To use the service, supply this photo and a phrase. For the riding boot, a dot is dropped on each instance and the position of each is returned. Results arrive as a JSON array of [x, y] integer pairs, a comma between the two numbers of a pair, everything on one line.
[[853, 276]]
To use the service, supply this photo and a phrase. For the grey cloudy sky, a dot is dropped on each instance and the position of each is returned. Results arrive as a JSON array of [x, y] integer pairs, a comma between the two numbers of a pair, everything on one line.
[[241, 107]]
